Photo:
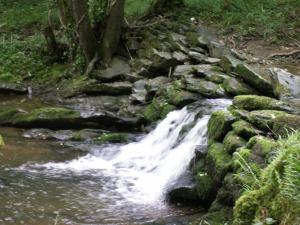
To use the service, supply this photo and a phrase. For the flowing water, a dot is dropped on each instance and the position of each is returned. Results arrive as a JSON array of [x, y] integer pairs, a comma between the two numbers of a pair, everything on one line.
[[111, 184]]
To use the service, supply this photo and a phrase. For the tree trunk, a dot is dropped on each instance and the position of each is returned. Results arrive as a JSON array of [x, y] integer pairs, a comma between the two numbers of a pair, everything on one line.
[[86, 36], [113, 31]]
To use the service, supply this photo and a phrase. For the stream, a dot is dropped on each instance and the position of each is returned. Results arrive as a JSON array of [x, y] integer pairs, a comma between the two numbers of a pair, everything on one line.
[[48, 182]]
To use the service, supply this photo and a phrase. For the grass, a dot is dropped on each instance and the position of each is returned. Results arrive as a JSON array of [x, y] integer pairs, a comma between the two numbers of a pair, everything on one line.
[[263, 18]]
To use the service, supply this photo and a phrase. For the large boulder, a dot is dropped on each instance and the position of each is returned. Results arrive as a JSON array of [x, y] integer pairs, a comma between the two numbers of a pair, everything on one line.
[[234, 87], [154, 85], [284, 83], [264, 119], [254, 79], [219, 125], [255, 102], [139, 92], [284, 124]]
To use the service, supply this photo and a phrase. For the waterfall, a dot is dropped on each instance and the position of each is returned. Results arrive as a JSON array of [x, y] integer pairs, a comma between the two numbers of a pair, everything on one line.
[[141, 171]]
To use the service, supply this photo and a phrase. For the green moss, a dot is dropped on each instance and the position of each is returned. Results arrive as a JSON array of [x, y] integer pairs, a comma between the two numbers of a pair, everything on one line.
[[158, 109], [255, 102], [245, 129], [113, 137], [232, 142], [262, 145], [222, 216], [218, 162], [278, 189], [285, 124], [235, 87], [219, 124], [264, 119]]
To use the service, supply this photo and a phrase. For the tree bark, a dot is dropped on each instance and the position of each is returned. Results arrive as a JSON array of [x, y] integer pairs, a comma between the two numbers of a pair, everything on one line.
[[86, 36], [113, 31]]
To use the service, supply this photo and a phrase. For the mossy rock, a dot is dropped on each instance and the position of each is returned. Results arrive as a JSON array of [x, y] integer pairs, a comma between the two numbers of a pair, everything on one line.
[[286, 124], [230, 191], [264, 119], [113, 138], [245, 129], [219, 124], [206, 188], [47, 117], [176, 96], [255, 102], [235, 87], [229, 63], [262, 146], [218, 162], [1, 141], [232, 142], [205, 88], [254, 79], [245, 209], [158, 109]]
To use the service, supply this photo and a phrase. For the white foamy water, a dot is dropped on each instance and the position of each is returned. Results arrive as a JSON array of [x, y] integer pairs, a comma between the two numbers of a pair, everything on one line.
[[142, 170]]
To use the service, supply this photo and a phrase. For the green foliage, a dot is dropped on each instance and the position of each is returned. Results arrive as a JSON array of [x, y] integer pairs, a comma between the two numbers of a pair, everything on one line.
[[255, 17], [20, 57], [20, 14], [278, 194], [97, 10], [137, 7]]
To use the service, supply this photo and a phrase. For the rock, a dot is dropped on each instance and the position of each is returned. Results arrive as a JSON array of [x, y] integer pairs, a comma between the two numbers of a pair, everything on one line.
[[261, 146], [284, 83], [139, 92], [62, 118], [218, 162], [185, 194], [255, 80], [180, 57], [285, 124], [198, 70], [255, 102], [245, 129], [206, 188], [217, 50], [219, 124], [116, 71], [229, 63], [235, 87], [205, 88], [216, 77], [113, 138], [210, 60], [198, 49], [115, 88], [153, 85], [197, 57], [232, 142], [158, 109], [6, 88], [264, 119], [161, 62]]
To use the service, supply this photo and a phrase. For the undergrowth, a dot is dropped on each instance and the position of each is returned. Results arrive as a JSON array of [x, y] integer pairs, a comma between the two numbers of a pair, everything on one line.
[[276, 200], [272, 19]]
